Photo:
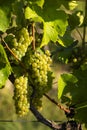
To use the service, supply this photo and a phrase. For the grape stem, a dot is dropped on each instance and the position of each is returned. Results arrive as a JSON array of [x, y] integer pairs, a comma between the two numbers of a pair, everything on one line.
[[23, 66], [33, 35], [59, 105], [13, 54]]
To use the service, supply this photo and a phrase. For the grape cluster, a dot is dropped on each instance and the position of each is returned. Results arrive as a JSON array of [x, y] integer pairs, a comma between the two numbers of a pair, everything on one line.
[[38, 64], [20, 95], [21, 43]]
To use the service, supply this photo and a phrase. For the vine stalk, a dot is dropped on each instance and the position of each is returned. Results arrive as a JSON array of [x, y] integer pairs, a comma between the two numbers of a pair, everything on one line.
[[58, 105], [84, 27], [33, 35]]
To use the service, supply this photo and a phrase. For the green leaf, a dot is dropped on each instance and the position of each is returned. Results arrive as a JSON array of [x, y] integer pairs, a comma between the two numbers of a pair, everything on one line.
[[63, 54], [5, 14], [61, 86], [54, 20], [74, 93], [18, 14], [50, 33], [5, 68], [4, 73], [38, 2], [62, 82], [76, 86], [32, 14], [67, 39], [3, 54], [75, 20], [4, 20], [69, 78], [81, 110]]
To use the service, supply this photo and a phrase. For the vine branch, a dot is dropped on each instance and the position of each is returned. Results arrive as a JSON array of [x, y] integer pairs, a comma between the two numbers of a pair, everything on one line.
[[59, 105], [70, 125], [45, 121]]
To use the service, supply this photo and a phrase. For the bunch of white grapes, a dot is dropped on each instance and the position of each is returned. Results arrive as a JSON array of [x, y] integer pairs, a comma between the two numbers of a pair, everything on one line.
[[21, 43], [20, 96], [38, 65]]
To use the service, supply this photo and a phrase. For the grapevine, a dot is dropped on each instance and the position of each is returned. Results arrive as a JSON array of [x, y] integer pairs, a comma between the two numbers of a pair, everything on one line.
[[34, 36]]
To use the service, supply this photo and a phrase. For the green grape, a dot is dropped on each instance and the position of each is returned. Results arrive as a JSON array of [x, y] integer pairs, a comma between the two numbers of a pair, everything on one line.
[[47, 52], [75, 60], [38, 64], [21, 93], [21, 44]]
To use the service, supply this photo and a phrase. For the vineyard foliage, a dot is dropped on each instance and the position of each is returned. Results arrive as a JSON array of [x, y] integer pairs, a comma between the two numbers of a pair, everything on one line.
[[26, 27]]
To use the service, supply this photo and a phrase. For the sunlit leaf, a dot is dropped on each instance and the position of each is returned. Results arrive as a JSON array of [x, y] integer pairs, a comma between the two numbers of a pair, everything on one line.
[[5, 14], [61, 86], [54, 20], [4, 20], [63, 80], [5, 68]]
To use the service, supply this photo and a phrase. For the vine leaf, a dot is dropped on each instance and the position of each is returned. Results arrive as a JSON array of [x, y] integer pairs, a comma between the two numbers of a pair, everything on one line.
[[61, 86], [4, 20], [76, 19], [5, 68], [67, 39], [18, 14], [62, 82], [4, 73], [50, 33], [38, 2], [54, 20], [5, 14], [73, 90], [31, 14]]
